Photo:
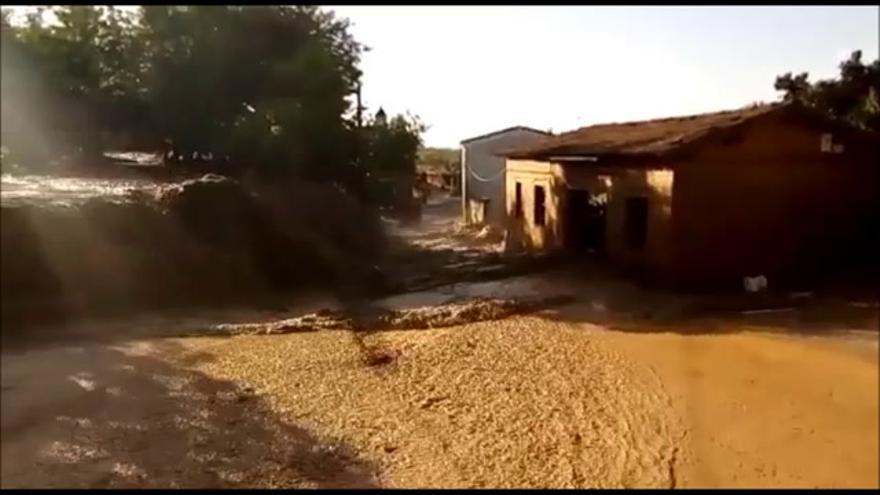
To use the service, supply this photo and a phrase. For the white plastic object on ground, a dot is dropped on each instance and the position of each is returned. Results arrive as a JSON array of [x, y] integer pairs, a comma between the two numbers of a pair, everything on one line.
[[755, 284]]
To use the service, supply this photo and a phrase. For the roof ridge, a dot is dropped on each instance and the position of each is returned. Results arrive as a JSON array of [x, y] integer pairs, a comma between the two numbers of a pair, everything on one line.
[[652, 135], [748, 108], [506, 129]]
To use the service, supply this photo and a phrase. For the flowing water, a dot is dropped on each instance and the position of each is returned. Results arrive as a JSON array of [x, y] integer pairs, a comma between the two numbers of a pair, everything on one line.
[[40, 189]]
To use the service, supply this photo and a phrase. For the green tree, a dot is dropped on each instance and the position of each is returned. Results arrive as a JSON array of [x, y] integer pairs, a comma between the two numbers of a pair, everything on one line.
[[27, 131], [854, 97], [390, 153], [86, 66], [440, 159], [393, 147], [265, 89]]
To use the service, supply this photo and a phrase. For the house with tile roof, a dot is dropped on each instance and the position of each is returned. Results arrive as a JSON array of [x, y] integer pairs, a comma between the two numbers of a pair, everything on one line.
[[775, 190]]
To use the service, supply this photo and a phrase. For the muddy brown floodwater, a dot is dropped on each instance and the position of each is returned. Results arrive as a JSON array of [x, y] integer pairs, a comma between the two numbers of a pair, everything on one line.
[[608, 391], [512, 403], [764, 410], [528, 401]]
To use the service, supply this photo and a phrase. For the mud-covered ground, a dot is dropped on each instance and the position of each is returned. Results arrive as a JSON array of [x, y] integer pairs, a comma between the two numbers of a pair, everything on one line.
[[617, 387]]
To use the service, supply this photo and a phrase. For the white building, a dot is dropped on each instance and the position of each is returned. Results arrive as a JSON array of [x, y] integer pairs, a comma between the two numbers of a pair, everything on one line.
[[482, 172]]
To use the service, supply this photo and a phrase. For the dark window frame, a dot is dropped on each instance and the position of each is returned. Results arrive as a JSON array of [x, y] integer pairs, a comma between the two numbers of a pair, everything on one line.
[[539, 212]]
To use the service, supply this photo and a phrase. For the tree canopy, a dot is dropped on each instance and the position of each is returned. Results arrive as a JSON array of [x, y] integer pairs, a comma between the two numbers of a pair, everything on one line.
[[439, 159], [854, 97], [267, 89]]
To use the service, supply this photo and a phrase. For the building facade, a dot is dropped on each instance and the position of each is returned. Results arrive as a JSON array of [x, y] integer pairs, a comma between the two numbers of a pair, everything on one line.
[[703, 200], [483, 174]]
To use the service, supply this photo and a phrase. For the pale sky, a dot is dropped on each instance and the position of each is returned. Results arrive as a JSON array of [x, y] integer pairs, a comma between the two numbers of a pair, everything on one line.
[[470, 70]]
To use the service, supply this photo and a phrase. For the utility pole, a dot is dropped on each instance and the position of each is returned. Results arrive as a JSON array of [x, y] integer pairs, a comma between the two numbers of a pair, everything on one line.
[[358, 145], [360, 108]]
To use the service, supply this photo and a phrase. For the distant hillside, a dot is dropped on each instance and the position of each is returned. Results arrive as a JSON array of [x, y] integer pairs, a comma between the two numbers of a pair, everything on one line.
[[438, 159]]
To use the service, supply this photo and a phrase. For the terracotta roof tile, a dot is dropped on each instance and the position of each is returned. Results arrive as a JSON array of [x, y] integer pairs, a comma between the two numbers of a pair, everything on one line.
[[636, 138]]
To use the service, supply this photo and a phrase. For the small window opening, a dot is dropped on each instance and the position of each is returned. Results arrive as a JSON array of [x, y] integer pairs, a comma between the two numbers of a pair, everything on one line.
[[540, 209], [517, 203]]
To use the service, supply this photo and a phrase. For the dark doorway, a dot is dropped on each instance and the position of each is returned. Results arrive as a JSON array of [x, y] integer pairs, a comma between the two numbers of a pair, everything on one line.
[[584, 221], [636, 221]]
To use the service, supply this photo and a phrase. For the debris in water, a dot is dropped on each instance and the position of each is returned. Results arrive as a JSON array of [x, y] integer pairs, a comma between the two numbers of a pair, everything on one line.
[[755, 284], [770, 310], [430, 401], [379, 359], [426, 317]]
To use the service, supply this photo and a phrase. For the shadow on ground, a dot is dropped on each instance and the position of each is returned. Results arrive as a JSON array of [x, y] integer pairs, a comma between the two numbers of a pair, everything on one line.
[[97, 416], [608, 299]]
